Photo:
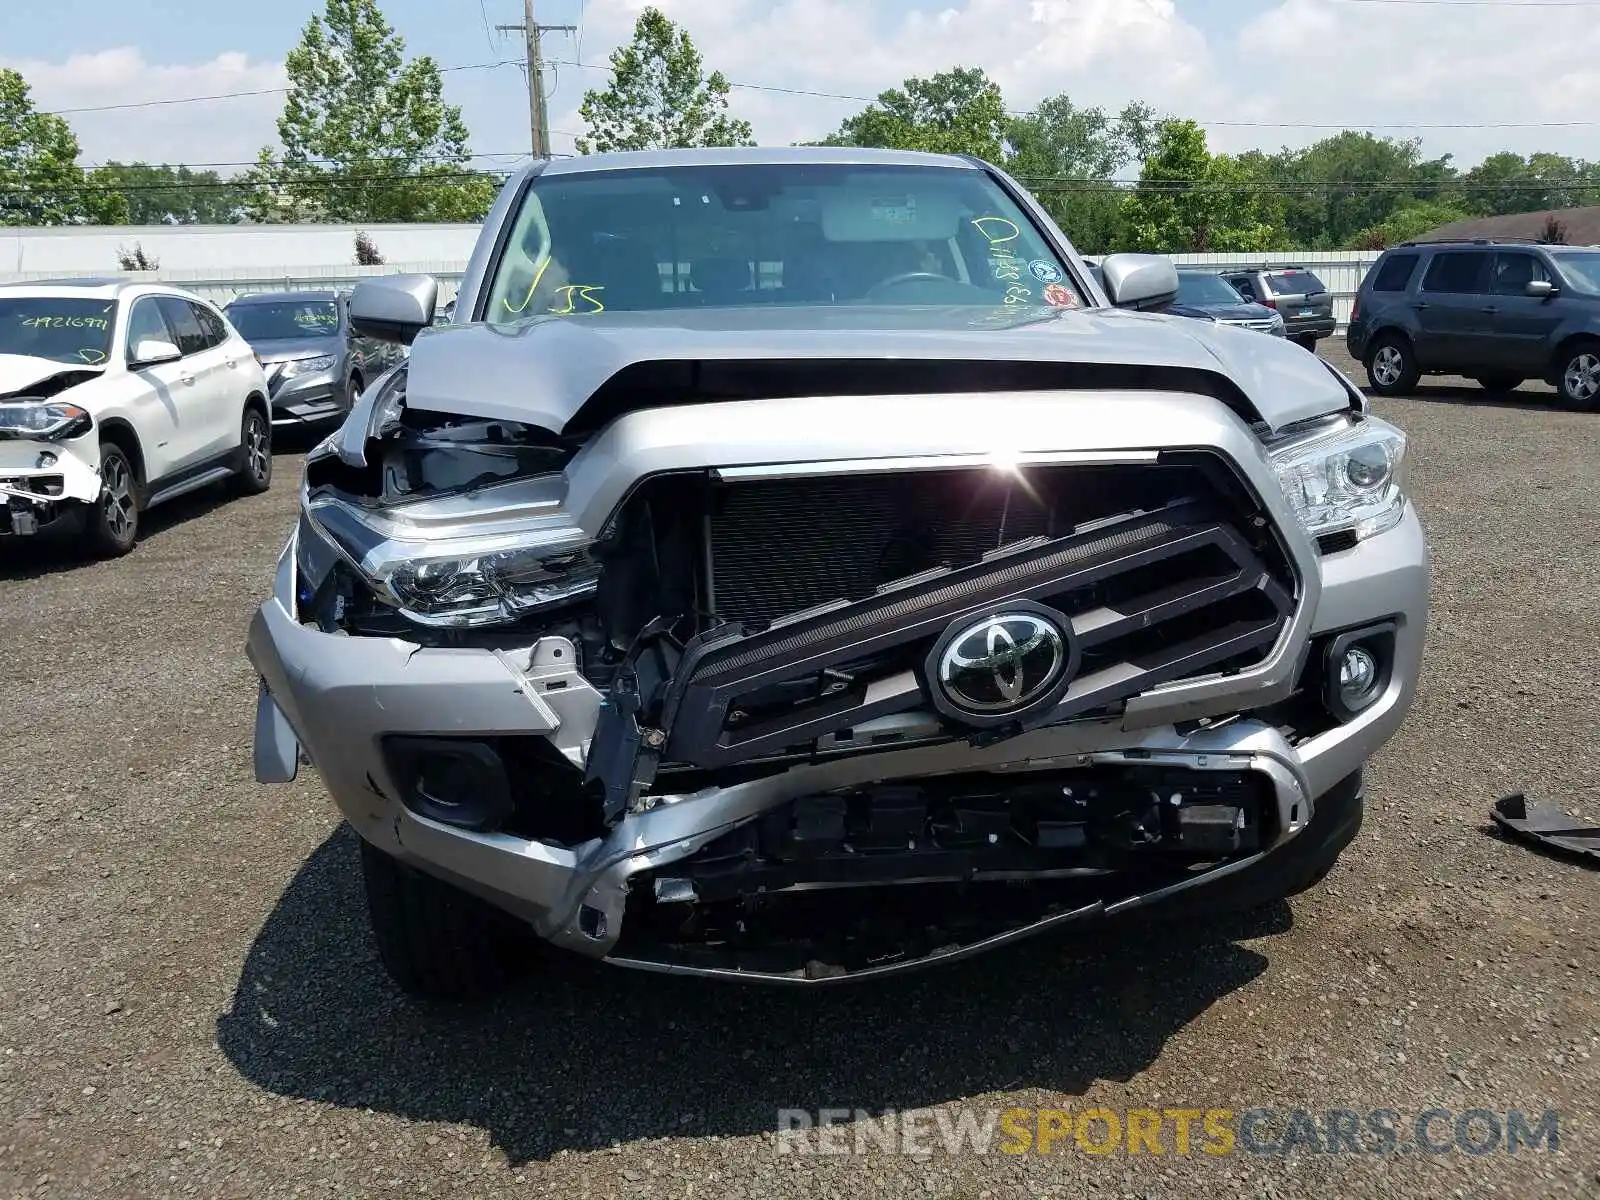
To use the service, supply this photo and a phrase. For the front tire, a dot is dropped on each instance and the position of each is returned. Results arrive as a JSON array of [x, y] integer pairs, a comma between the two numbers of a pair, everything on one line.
[[1579, 381], [255, 453], [436, 941], [1306, 342], [113, 525], [1392, 367]]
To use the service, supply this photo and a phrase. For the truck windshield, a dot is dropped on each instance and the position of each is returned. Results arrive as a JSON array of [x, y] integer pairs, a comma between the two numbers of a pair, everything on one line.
[[69, 330], [771, 234], [282, 319], [1582, 269]]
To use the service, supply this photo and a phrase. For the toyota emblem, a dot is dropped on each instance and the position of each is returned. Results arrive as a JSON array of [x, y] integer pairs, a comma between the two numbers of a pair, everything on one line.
[[1002, 664]]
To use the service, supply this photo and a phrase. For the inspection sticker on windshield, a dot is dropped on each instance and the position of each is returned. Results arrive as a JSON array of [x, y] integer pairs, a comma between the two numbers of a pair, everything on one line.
[[897, 210], [1044, 272], [1059, 297]]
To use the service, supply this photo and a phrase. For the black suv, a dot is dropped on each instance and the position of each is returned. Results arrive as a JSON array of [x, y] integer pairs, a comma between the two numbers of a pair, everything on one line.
[[1498, 312], [1300, 298]]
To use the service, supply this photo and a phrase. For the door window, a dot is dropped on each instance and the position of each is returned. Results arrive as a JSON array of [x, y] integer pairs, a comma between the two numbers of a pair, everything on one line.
[[1243, 286], [145, 323], [1514, 272], [1458, 273], [1395, 273], [191, 340], [211, 326]]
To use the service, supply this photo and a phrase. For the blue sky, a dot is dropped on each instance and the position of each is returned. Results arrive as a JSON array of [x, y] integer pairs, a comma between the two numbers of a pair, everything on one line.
[[1258, 72]]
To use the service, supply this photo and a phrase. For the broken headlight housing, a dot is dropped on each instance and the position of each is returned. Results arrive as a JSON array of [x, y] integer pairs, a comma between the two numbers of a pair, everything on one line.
[[1347, 476], [454, 522]]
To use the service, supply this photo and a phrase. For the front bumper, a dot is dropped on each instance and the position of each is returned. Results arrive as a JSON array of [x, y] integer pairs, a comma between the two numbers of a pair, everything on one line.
[[307, 399], [332, 700], [40, 481]]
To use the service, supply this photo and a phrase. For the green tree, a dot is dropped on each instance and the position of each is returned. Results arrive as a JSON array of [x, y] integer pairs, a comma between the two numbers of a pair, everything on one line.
[[1507, 183], [40, 180], [366, 135], [659, 97], [955, 112], [158, 194], [1069, 156], [1340, 186], [1410, 220], [1189, 200]]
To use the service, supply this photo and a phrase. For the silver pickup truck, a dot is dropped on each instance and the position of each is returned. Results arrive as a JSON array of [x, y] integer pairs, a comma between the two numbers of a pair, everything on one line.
[[792, 565]]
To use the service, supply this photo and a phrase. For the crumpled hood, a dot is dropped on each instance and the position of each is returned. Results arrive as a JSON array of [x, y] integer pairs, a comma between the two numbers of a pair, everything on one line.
[[541, 372], [19, 372]]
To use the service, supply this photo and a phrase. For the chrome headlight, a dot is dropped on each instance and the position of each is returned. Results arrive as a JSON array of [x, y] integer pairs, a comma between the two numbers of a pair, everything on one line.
[[46, 420], [460, 561], [1349, 478], [307, 366]]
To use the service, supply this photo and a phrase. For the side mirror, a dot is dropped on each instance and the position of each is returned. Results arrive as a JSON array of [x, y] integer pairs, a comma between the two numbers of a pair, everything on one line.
[[394, 308], [1542, 289], [153, 351], [1139, 281]]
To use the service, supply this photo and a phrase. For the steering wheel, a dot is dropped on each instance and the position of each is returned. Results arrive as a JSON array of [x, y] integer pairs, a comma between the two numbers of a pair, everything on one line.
[[913, 277]]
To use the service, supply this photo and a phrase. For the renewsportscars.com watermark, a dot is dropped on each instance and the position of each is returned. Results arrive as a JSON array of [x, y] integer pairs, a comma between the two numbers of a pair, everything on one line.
[[1177, 1131]]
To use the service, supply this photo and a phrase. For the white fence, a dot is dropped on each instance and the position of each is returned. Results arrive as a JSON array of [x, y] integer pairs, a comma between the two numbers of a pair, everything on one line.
[[1340, 270]]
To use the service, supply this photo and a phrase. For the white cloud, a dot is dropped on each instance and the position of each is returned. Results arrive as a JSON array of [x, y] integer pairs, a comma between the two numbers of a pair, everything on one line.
[[219, 131], [1305, 61]]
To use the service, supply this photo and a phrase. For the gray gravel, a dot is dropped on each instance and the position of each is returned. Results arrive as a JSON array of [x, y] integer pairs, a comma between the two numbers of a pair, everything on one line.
[[190, 1005]]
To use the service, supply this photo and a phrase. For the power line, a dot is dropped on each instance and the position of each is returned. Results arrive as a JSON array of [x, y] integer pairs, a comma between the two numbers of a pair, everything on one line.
[[93, 108], [1478, 3]]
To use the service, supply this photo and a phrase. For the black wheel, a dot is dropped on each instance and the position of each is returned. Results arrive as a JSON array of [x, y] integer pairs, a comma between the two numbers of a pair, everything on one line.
[[436, 941], [353, 392], [1579, 381], [1306, 342], [113, 525], [1501, 382], [255, 453], [1391, 366]]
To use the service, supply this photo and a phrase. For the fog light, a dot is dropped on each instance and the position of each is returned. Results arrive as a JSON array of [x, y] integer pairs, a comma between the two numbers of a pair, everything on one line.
[[455, 783], [1358, 672], [1356, 668], [46, 459]]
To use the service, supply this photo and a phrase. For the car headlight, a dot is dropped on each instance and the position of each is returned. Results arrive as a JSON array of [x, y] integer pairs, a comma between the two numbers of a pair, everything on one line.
[[45, 420], [307, 366], [493, 558], [1350, 478]]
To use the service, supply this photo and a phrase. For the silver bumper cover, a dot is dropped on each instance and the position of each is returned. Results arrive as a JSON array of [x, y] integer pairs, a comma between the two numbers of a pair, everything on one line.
[[332, 698]]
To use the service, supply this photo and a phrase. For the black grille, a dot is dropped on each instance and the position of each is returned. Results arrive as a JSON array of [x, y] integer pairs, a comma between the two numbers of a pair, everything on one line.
[[782, 546]]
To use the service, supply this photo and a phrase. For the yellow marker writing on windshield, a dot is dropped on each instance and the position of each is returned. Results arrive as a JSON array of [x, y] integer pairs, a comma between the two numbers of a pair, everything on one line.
[[579, 291], [532, 288]]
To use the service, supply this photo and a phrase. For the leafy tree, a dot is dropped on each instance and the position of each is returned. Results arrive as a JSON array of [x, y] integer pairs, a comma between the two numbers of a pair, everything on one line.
[[366, 135], [367, 254], [157, 194], [40, 180], [1351, 182], [1410, 220], [1507, 183], [955, 112], [137, 260], [659, 97], [1189, 200], [1069, 155]]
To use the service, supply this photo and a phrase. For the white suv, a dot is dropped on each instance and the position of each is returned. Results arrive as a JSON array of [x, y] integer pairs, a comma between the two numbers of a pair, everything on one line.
[[115, 396]]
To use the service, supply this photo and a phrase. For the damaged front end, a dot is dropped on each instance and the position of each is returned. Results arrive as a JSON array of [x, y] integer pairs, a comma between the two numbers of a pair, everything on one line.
[[48, 461], [786, 722]]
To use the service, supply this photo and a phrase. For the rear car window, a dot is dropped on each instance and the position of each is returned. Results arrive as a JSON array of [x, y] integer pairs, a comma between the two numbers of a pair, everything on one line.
[[1394, 273], [1294, 283], [1460, 272]]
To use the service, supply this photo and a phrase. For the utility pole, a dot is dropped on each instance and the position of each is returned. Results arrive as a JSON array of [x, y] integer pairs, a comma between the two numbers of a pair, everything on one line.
[[538, 115]]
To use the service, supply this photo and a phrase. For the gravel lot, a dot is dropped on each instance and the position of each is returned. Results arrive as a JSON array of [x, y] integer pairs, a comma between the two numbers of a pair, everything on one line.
[[190, 1005]]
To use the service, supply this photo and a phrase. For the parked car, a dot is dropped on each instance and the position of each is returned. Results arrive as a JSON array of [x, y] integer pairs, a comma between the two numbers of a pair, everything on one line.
[[116, 397], [1496, 312], [316, 364], [1298, 295], [920, 598], [1207, 294]]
